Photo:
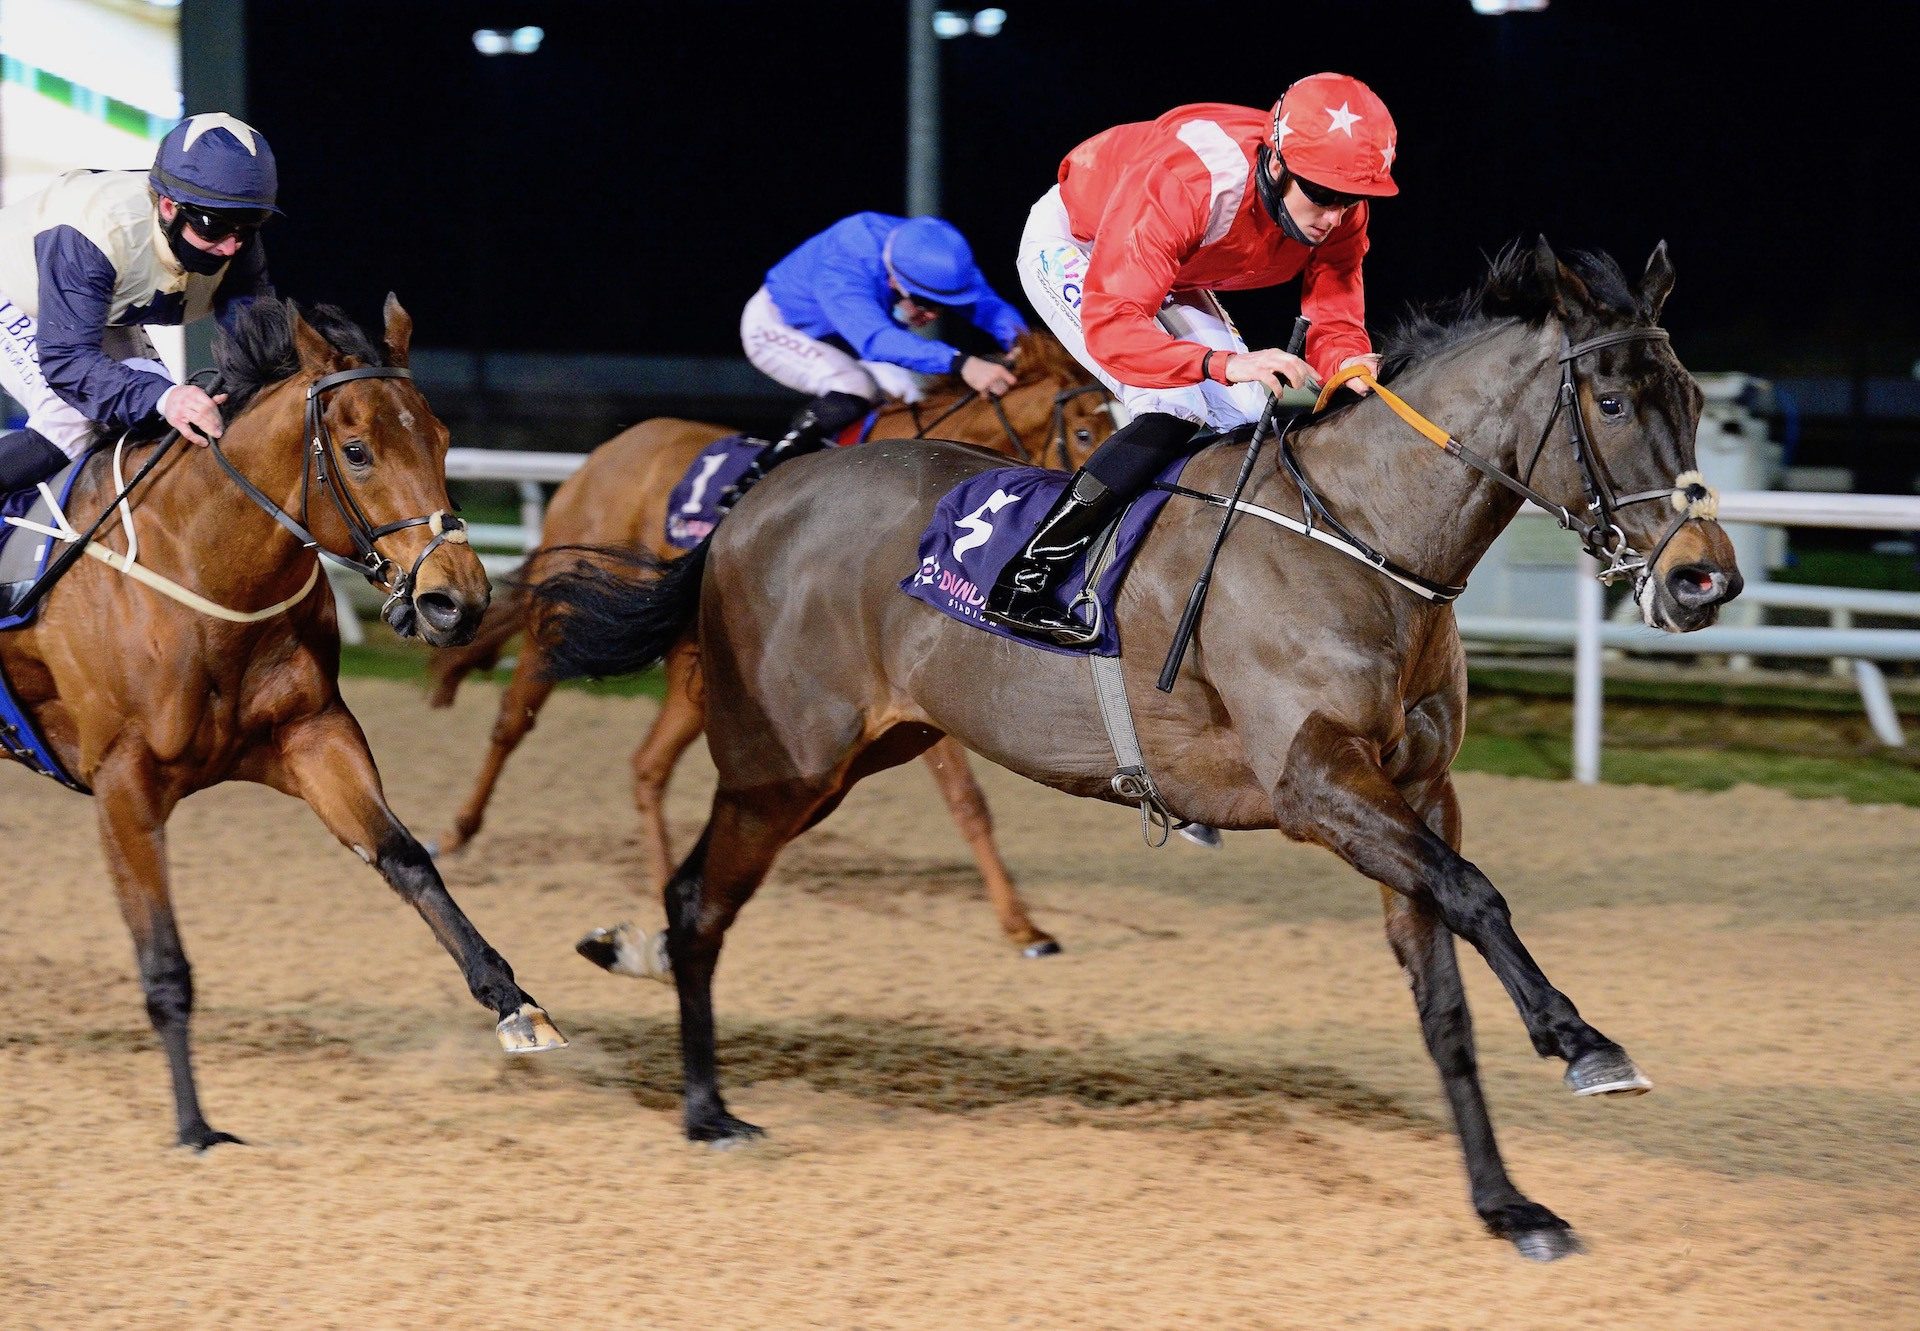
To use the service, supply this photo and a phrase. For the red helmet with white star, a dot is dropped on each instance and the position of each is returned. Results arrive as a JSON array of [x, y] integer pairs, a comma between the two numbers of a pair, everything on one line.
[[1331, 130]]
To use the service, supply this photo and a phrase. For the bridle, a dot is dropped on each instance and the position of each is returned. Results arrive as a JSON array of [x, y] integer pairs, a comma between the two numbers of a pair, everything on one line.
[[322, 464], [1056, 424], [1599, 533]]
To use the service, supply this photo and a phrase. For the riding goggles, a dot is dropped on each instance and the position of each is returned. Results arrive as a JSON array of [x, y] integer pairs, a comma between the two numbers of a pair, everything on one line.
[[1322, 197], [214, 225]]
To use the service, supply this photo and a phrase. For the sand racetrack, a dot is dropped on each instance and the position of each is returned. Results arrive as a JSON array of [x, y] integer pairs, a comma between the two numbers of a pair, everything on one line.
[[1213, 1111]]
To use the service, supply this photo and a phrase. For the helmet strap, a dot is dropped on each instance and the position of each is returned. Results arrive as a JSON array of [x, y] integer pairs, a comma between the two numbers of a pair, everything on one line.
[[1273, 194], [191, 256]]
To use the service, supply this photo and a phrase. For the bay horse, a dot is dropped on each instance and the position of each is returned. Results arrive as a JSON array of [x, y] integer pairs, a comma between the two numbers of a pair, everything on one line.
[[1321, 697], [144, 699], [1056, 414]]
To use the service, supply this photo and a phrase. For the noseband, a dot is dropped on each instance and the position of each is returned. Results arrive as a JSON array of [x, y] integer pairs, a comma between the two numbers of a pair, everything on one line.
[[322, 464]]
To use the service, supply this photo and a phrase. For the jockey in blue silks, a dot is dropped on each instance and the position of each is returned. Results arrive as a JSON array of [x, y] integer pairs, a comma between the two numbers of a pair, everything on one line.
[[833, 322], [91, 259]]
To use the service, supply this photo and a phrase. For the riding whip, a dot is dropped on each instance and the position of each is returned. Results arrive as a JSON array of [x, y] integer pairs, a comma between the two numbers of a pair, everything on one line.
[[1296, 343]]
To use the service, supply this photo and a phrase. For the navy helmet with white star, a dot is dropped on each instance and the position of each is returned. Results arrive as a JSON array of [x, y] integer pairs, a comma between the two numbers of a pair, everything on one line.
[[215, 161]]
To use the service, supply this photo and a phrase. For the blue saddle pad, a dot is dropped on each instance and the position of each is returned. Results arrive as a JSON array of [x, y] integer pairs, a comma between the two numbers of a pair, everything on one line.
[[984, 521], [693, 509]]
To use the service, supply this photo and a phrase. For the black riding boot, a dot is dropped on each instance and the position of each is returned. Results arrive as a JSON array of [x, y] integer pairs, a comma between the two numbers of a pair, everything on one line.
[[26, 458], [1022, 597], [821, 418]]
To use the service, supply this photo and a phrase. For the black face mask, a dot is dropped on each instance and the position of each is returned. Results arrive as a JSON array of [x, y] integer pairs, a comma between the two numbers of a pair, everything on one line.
[[1273, 195], [191, 256]]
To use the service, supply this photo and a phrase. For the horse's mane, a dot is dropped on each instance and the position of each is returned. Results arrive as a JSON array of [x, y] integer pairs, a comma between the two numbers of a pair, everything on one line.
[[1040, 354], [1514, 289], [257, 350]]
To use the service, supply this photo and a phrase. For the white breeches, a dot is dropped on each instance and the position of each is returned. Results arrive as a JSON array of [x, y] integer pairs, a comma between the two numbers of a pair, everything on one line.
[[808, 365], [1053, 271]]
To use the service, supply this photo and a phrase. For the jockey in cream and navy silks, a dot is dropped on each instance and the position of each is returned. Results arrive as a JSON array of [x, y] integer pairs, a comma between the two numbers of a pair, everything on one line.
[[832, 322], [1122, 259], [89, 261]]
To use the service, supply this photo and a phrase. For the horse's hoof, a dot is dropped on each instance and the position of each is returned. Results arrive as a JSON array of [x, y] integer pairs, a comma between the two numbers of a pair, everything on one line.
[[203, 1138], [624, 950], [529, 1031], [1202, 835], [1606, 1071], [1046, 947], [724, 1132], [1548, 1245], [1538, 1234]]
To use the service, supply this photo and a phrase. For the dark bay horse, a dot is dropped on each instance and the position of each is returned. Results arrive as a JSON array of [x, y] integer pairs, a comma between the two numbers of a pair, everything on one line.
[[145, 699], [1056, 415], [1320, 697]]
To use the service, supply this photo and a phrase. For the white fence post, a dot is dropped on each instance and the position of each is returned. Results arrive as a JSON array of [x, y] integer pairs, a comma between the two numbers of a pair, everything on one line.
[[1589, 680]]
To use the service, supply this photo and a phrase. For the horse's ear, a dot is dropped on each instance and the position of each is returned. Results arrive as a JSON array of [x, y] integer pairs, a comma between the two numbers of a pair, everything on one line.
[[1569, 294], [399, 334], [317, 355], [1656, 284]]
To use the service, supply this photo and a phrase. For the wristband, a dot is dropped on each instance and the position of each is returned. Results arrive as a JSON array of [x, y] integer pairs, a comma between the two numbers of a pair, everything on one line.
[[959, 359]]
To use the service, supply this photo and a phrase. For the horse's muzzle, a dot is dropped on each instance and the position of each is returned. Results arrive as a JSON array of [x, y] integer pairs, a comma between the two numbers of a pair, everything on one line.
[[1688, 596], [439, 615]]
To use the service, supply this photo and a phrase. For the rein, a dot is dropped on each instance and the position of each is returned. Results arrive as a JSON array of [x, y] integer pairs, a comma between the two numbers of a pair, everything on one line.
[[371, 564], [1600, 537], [1056, 424]]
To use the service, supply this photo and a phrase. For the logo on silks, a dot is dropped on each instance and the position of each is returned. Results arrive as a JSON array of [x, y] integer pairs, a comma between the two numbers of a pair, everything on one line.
[[693, 509], [983, 522], [1065, 268]]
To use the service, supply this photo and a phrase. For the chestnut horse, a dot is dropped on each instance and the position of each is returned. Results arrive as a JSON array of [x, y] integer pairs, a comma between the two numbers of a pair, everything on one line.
[[1325, 692], [1055, 415], [144, 699]]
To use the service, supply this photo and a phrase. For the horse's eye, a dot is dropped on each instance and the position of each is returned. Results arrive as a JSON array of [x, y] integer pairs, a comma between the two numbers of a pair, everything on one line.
[[356, 454], [1612, 408], [1084, 435]]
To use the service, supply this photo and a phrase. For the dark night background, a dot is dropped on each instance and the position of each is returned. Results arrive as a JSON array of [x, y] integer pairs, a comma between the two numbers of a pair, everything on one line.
[[623, 189]]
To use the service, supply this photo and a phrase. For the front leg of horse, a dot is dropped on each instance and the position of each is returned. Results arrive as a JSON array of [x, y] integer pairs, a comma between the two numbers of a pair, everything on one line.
[[1334, 792], [132, 810], [325, 762]]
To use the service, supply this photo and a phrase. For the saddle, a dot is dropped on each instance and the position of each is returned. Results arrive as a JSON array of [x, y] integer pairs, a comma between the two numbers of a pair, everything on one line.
[[983, 522], [24, 554], [693, 509]]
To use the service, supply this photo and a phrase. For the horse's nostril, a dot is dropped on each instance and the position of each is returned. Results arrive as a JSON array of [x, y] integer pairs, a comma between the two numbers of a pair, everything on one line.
[[438, 609], [1695, 585]]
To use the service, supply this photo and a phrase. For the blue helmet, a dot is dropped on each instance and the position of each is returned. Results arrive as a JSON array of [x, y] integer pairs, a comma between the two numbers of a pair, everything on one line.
[[215, 161], [929, 258]]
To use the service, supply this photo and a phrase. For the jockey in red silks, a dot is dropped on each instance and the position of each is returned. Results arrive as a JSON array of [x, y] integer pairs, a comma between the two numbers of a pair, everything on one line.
[[1122, 258]]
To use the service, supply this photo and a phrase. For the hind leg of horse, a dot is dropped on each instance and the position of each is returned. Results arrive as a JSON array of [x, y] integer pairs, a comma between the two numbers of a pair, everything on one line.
[[1425, 950], [682, 716], [746, 831], [324, 761], [526, 694], [627, 948], [132, 813], [968, 805], [1335, 793]]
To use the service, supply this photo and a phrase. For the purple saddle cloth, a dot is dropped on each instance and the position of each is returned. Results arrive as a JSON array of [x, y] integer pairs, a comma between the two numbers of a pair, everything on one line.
[[983, 522], [693, 509]]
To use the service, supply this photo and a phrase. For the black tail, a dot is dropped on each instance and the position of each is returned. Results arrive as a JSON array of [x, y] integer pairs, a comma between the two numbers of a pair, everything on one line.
[[617, 613]]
